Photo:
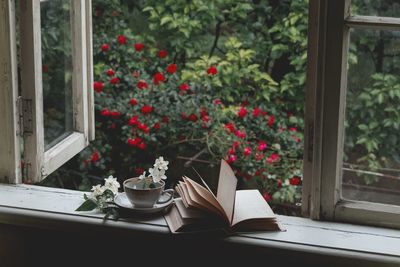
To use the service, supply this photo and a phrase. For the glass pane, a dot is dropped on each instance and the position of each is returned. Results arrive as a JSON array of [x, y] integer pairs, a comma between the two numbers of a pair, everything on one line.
[[57, 70], [382, 8], [371, 163]]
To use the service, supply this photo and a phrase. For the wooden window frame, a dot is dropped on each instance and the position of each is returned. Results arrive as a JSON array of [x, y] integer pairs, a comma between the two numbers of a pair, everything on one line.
[[329, 26], [26, 111]]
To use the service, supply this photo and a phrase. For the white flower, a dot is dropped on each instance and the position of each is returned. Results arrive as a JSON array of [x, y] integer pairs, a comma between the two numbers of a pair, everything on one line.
[[97, 191], [161, 164], [112, 184], [143, 175], [157, 174]]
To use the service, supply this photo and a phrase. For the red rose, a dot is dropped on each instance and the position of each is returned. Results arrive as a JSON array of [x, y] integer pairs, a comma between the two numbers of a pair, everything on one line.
[[133, 120], [230, 127], [121, 39], [235, 144], [259, 172], [134, 142], [156, 126], [95, 157], [240, 134], [203, 112], [267, 196], [171, 68], [184, 87], [183, 116], [139, 170], [271, 120], [242, 112], [142, 84], [115, 114], [112, 126], [139, 47], [279, 183], [143, 127], [158, 78], [256, 112], [205, 118], [110, 72], [232, 150], [114, 80], [133, 102], [212, 70], [261, 146], [45, 68], [98, 86], [217, 101], [292, 129], [295, 180], [192, 117], [259, 156], [142, 146], [162, 54], [105, 112], [247, 151], [273, 158], [232, 158], [165, 119], [146, 109], [105, 47]]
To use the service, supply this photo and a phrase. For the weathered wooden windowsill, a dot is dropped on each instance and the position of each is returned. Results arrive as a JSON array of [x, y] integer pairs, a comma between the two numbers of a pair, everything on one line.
[[42, 207]]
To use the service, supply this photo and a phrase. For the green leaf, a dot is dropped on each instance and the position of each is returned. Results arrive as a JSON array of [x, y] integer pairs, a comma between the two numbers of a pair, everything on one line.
[[88, 205]]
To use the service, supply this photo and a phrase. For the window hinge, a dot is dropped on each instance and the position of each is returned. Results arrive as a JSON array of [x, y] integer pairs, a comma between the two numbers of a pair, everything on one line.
[[310, 146], [25, 116]]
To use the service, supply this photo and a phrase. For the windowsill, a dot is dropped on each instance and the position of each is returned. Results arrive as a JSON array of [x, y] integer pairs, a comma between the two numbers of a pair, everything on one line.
[[51, 208]]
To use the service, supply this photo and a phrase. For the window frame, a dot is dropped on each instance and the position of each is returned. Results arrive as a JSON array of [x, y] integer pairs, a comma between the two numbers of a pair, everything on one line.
[[329, 25], [39, 163]]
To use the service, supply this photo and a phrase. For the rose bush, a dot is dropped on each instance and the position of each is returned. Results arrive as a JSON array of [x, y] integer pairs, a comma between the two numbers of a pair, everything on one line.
[[146, 104]]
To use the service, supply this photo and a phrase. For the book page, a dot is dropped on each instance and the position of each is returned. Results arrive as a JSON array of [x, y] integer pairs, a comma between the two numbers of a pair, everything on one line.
[[188, 213], [249, 205], [203, 193], [226, 189], [188, 198]]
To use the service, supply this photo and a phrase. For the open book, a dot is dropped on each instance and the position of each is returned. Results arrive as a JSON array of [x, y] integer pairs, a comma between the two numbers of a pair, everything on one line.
[[238, 210]]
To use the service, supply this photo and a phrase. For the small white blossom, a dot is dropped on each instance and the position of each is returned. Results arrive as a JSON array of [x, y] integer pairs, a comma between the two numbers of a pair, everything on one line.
[[143, 175], [161, 164], [112, 184], [97, 191], [157, 174]]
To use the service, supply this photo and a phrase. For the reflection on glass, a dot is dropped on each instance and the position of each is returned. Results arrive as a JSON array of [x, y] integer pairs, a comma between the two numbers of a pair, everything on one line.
[[382, 8], [371, 163], [57, 70]]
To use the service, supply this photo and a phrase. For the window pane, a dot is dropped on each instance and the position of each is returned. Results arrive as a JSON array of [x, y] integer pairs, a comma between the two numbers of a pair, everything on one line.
[[371, 163], [57, 70], [383, 8]]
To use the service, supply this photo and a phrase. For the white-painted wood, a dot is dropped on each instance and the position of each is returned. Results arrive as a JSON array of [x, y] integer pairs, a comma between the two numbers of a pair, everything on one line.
[[10, 157], [62, 152], [315, 77], [49, 207], [373, 22], [40, 163], [79, 59], [326, 98], [31, 86], [89, 51], [368, 213]]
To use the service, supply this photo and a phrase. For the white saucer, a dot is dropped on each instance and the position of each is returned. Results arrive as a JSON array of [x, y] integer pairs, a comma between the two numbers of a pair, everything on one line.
[[121, 200]]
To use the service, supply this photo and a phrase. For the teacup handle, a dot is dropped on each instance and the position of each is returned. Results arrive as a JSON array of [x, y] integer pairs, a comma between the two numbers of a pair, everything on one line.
[[171, 195]]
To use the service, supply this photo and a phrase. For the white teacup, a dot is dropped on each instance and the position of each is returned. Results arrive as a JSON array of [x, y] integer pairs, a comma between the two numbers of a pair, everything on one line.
[[145, 197]]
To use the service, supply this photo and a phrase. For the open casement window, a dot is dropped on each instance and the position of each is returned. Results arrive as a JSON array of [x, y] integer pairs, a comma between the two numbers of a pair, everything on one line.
[[53, 115], [352, 155]]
